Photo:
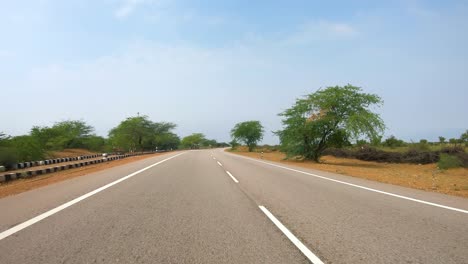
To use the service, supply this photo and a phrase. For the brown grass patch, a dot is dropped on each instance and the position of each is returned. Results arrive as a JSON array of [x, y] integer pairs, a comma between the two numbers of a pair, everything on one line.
[[68, 153], [424, 177]]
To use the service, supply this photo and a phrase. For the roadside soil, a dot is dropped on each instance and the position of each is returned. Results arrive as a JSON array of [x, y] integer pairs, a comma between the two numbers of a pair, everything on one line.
[[423, 177], [23, 185], [68, 153]]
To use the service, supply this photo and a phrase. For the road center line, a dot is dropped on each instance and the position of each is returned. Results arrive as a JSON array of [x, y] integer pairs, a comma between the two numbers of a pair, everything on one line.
[[57, 209], [219, 163], [232, 177], [360, 187], [311, 256]]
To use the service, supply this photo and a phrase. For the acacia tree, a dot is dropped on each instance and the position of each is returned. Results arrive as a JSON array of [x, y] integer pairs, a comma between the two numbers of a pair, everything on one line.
[[167, 141], [64, 134], [464, 138], [3, 139], [193, 141], [328, 118], [249, 132], [441, 139], [140, 133]]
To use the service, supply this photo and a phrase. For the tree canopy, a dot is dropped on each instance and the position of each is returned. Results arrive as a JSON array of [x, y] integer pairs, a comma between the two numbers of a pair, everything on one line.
[[139, 133], [64, 134], [248, 132], [327, 118], [193, 141]]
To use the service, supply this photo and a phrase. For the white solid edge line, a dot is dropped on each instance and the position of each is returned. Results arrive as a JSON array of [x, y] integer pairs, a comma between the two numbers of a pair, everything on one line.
[[219, 163], [57, 209], [361, 187], [311, 256], [232, 177]]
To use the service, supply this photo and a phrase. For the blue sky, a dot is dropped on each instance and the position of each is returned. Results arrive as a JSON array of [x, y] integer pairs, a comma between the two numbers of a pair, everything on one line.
[[207, 65]]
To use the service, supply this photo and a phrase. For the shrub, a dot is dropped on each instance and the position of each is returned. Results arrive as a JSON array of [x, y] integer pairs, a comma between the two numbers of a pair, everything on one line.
[[234, 144], [372, 154], [94, 143], [447, 161], [339, 152], [420, 156], [8, 157], [422, 146], [393, 142], [361, 142], [457, 151]]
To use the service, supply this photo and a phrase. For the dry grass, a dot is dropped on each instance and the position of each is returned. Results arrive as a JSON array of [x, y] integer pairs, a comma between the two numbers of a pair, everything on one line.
[[67, 153], [423, 177]]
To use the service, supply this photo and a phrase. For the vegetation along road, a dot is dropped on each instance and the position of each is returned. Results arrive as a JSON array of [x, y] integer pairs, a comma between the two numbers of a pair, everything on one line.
[[202, 202], [210, 206]]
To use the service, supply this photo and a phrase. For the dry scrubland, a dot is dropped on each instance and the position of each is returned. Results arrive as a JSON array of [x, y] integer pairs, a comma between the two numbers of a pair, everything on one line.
[[424, 177]]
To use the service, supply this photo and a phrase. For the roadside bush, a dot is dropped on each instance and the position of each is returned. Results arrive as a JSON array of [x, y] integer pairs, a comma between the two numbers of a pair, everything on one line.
[[373, 154], [420, 156], [234, 144], [447, 161], [393, 142], [8, 157], [420, 147], [94, 143], [361, 142], [453, 150], [27, 148], [457, 151], [339, 153]]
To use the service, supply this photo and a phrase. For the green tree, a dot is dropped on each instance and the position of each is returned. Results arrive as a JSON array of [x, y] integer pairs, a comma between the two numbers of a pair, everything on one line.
[[464, 138], [167, 141], [454, 141], [94, 143], [4, 139], [441, 140], [139, 133], [8, 156], [65, 134], [376, 141], [234, 144], [211, 143], [328, 117], [393, 142], [248, 132], [27, 148], [193, 141]]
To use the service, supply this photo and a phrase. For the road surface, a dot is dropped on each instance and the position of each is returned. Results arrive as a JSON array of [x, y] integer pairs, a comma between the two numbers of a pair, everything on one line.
[[209, 206]]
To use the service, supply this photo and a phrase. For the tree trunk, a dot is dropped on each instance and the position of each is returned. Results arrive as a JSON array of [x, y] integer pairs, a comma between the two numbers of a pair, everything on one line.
[[251, 147]]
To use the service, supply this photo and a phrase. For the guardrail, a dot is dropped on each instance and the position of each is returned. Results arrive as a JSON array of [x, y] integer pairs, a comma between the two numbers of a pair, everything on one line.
[[28, 164], [32, 173]]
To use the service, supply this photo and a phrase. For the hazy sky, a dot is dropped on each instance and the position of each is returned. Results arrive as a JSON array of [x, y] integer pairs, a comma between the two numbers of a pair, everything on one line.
[[206, 65]]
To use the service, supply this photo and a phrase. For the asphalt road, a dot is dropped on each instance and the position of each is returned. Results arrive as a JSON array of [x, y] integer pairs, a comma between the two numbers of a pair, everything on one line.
[[214, 207]]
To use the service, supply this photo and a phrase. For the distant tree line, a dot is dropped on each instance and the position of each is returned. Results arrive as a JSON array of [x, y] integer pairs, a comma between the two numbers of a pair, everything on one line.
[[133, 134]]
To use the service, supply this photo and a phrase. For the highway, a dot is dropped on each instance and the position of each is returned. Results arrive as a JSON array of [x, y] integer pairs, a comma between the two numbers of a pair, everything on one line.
[[210, 206]]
